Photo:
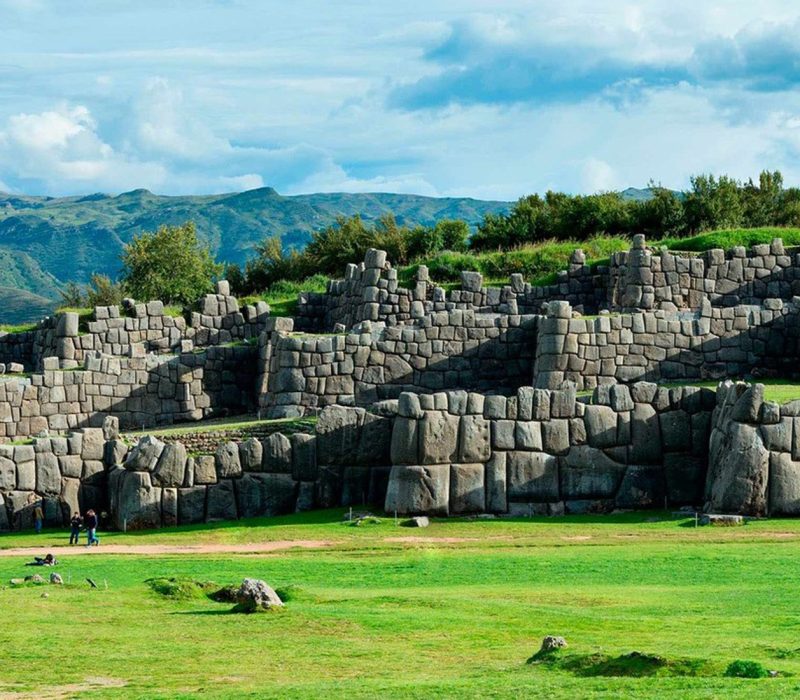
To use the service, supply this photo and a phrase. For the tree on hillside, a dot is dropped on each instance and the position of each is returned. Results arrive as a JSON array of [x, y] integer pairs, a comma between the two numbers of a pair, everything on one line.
[[661, 215], [169, 264], [101, 291], [713, 203]]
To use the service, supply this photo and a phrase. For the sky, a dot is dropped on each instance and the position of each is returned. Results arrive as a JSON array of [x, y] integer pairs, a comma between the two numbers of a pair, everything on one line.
[[492, 99]]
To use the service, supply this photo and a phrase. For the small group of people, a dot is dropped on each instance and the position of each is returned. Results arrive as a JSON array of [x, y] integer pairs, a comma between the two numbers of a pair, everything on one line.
[[89, 522]]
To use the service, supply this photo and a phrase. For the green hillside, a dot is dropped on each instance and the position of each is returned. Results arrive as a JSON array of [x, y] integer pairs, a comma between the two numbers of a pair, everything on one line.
[[46, 241], [72, 237]]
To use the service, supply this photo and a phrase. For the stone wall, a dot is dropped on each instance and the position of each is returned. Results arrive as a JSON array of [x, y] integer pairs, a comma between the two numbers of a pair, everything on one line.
[[140, 391], [754, 453], [545, 452], [119, 331], [343, 463], [710, 343], [64, 474], [443, 350]]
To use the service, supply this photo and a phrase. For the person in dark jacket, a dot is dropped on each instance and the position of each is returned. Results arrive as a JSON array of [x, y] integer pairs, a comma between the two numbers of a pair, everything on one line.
[[38, 517], [75, 528], [90, 522]]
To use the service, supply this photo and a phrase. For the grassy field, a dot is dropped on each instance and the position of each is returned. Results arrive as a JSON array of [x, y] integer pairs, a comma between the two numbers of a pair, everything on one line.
[[455, 611], [780, 391]]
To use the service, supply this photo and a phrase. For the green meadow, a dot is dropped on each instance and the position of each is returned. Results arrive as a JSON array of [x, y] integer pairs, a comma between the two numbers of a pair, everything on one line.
[[454, 610]]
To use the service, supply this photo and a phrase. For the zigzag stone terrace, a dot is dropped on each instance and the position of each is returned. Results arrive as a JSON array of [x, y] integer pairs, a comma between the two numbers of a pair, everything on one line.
[[569, 398]]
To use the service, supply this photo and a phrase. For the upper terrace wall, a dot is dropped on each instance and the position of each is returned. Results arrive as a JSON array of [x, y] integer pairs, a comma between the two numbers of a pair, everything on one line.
[[111, 330], [142, 391], [443, 350], [638, 279], [711, 343]]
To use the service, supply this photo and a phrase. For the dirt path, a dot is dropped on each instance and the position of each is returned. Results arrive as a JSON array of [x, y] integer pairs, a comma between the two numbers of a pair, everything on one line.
[[252, 548]]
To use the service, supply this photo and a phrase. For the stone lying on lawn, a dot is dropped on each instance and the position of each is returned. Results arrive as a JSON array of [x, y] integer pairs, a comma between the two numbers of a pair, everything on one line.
[[419, 521], [722, 520], [254, 594], [550, 642], [56, 579]]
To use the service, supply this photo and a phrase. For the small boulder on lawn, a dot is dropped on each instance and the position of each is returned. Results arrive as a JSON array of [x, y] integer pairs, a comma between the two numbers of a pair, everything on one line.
[[254, 595], [550, 645], [56, 579], [418, 521]]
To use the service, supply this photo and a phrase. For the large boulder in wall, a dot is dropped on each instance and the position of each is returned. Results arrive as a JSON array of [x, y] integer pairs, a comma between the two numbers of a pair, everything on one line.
[[171, 466], [221, 501], [784, 485], [643, 486], [144, 454], [338, 433], [532, 476], [438, 437], [588, 473], [467, 492], [265, 494], [376, 441], [419, 490], [738, 469], [136, 503]]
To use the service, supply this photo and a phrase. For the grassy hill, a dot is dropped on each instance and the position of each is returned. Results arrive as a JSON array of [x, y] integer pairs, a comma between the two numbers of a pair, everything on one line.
[[46, 241]]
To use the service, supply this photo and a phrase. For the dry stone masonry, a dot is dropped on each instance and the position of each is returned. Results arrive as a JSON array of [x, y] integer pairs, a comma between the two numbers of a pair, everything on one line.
[[506, 400]]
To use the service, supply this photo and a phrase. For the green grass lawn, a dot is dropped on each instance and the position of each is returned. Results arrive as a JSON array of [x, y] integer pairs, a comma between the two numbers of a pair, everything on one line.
[[778, 390], [454, 614]]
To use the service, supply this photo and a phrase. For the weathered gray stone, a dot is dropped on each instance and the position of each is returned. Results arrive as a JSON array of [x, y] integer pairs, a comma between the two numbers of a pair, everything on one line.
[[467, 493], [495, 481], [251, 455], [532, 476], [555, 436], [277, 454], [418, 489], [738, 470], [135, 502], [8, 474], [254, 595], [473, 439], [642, 486], [48, 476], [588, 473], [144, 454], [527, 436], [171, 466], [784, 485], [93, 444], [304, 457], [227, 461], [266, 495], [221, 501], [192, 505], [676, 430], [338, 432], [645, 445], [438, 437], [601, 426], [205, 470], [405, 437]]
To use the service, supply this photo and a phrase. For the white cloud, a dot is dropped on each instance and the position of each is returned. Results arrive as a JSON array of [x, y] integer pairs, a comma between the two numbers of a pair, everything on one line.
[[61, 147], [598, 176]]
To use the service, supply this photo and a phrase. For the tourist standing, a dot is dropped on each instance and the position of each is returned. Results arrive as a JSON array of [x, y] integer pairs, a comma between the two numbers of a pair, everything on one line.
[[75, 528], [38, 517], [90, 521]]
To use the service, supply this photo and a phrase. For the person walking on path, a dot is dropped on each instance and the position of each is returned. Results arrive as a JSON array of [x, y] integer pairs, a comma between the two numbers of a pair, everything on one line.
[[75, 528], [38, 517], [90, 521]]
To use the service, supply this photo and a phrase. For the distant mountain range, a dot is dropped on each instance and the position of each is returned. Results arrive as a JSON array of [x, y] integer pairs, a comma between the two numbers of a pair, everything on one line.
[[46, 242]]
